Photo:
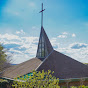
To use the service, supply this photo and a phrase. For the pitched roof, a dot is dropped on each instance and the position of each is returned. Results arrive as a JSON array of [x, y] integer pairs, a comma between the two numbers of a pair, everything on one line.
[[49, 59], [64, 66], [22, 69]]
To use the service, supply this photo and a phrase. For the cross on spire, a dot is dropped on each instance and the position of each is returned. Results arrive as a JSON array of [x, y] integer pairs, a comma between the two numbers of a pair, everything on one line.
[[42, 15]]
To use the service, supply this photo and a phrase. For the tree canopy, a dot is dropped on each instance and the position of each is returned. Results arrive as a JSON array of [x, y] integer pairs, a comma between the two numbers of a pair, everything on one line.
[[3, 60]]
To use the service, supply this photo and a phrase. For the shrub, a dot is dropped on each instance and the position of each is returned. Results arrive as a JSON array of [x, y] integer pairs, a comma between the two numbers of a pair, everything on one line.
[[37, 80], [73, 86]]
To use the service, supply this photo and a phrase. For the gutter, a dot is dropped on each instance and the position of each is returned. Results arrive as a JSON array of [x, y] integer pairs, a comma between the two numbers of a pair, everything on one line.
[[73, 79]]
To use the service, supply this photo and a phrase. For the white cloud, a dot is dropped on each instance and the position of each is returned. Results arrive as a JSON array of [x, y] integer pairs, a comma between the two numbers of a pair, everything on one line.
[[77, 50], [54, 43], [15, 51], [62, 36], [35, 28], [80, 53], [78, 45], [73, 35], [20, 32], [65, 33], [19, 58], [9, 37], [24, 48], [21, 46]]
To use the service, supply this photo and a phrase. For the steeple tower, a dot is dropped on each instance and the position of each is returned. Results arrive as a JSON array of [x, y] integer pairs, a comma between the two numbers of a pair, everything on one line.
[[44, 45]]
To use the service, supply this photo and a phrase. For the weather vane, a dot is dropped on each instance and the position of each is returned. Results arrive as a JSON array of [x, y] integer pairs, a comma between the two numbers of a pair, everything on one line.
[[42, 15]]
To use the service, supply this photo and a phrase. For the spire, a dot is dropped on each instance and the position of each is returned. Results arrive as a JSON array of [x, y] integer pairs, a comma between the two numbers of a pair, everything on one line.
[[42, 15], [44, 45]]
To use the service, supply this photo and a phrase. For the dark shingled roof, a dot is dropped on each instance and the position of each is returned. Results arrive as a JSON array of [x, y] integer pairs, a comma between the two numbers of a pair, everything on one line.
[[64, 66], [22, 69]]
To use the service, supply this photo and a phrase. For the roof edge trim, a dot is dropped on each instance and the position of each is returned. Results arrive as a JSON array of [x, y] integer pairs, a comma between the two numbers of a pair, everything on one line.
[[7, 78], [44, 60]]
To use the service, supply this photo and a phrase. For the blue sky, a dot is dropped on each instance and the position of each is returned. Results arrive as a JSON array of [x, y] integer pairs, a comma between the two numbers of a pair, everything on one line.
[[65, 22]]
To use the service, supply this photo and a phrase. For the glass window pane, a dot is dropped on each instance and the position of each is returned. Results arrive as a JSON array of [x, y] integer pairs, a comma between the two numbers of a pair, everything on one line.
[[42, 49], [39, 54], [42, 44], [39, 45], [42, 39], [42, 54], [39, 49]]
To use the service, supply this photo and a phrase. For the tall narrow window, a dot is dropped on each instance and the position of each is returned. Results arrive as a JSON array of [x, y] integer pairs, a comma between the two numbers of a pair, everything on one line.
[[42, 51]]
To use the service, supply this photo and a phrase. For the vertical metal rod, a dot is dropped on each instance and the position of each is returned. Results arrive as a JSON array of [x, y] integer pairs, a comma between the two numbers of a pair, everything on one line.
[[41, 27], [42, 16]]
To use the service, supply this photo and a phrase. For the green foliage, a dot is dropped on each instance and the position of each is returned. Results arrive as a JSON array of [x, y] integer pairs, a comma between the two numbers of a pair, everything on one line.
[[63, 86], [37, 80], [1, 80], [73, 86], [82, 86], [86, 86], [2, 58]]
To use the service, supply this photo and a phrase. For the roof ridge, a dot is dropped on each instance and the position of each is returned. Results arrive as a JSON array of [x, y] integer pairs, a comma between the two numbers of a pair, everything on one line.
[[44, 59]]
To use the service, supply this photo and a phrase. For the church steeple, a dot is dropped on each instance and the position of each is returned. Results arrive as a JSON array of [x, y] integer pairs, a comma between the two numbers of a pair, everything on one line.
[[44, 45]]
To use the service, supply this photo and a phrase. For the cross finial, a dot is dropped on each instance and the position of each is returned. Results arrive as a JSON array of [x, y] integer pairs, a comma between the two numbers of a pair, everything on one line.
[[42, 15]]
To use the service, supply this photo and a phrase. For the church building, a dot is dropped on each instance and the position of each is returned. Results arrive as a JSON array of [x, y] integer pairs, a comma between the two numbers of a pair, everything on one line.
[[47, 58]]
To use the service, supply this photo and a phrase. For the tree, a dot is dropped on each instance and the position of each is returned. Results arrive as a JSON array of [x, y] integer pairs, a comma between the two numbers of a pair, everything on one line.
[[37, 80], [3, 61]]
